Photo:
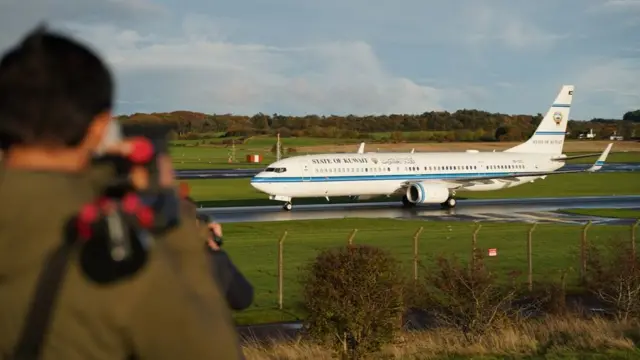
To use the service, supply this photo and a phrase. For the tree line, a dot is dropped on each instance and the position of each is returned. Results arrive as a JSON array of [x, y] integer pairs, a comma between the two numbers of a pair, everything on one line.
[[461, 125]]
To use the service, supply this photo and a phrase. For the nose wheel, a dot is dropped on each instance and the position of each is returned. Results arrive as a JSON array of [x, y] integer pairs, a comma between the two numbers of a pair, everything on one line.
[[287, 206]]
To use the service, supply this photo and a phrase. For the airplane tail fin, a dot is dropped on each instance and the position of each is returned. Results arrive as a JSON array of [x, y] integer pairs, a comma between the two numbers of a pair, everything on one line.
[[550, 134], [361, 148]]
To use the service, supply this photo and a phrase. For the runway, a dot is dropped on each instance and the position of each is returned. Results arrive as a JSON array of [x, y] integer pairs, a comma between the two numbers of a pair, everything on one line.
[[541, 210], [247, 173]]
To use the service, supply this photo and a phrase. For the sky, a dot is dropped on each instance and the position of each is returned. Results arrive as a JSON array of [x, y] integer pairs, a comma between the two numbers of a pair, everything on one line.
[[298, 57]]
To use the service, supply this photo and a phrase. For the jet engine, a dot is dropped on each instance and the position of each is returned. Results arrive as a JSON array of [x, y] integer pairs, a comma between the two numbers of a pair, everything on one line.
[[424, 193]]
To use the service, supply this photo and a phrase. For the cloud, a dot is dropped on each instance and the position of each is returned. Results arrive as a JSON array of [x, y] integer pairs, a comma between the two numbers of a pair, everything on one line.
[[610, 81], [487, 24], [621, 5], [17, 17], [198, 70]]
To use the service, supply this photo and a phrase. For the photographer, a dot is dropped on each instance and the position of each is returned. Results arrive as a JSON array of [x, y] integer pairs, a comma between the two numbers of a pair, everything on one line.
[[56, 99], [238, 291]]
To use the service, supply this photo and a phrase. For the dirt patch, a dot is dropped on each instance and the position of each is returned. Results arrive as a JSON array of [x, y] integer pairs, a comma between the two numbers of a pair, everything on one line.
[[570, 146]]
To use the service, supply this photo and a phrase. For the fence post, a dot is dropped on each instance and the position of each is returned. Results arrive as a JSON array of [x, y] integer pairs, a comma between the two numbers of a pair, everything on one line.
[[583, 251], [352, 236], [633, 237], [530, 256], [415, 253], [474, 243], [280, 269]]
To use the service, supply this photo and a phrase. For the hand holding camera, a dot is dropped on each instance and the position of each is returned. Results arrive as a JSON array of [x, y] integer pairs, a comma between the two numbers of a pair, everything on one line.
[[215, 231]]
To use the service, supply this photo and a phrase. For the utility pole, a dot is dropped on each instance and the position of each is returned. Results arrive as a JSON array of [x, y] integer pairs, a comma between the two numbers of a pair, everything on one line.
[[232, 151], [278, 148]]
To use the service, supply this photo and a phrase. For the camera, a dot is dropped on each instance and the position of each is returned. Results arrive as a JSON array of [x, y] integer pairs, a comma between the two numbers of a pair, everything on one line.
[[146, 173], [136, 201]]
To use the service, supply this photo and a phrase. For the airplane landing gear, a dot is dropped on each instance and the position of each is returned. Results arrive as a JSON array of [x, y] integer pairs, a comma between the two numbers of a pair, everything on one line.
[[287, 206], [449, 204]]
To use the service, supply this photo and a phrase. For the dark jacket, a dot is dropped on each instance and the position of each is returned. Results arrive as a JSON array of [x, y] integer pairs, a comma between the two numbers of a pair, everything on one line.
[[234, 285], [158, 314]]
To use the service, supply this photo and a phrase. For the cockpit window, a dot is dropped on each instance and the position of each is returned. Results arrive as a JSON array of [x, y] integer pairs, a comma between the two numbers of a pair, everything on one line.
[[278, 170]]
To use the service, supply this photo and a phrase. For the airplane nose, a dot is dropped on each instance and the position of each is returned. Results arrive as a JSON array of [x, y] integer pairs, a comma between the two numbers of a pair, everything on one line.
[[258, 185]]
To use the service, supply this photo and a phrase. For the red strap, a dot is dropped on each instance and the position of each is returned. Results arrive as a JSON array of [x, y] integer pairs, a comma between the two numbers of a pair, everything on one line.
[[145, 217], [130, 203], [141, 151], [86, 217]]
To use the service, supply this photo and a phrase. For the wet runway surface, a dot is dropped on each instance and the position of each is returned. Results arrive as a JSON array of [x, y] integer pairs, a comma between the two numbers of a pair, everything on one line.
[[541, 210], [247, 173]]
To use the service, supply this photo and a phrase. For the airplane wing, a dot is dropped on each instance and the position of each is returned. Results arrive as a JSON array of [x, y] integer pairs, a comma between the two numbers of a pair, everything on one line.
[[563, 158], [514, 176]]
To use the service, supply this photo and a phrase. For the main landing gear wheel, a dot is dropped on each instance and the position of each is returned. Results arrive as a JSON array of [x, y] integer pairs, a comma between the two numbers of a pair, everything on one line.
[[287, 206], [449, 204]]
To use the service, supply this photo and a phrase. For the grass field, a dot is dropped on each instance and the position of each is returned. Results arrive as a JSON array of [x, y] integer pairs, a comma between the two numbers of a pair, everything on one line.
[[254, 249], [611, 213], [551, 338], [211, 154], [239, 192]]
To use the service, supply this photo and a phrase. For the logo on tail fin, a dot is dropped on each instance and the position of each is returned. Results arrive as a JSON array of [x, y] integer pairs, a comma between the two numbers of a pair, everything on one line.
[[557, 117]]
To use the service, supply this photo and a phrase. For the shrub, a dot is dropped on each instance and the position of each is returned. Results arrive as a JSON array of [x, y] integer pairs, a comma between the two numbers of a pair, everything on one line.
[[548, 297], [467, 297], [353, 295], [613, 275]]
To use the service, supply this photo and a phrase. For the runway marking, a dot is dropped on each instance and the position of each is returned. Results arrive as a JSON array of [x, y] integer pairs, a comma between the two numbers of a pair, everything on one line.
[[524, 217], [540, 217]]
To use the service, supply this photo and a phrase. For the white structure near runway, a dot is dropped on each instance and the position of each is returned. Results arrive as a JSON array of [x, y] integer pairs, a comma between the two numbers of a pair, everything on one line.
[[426, 178]]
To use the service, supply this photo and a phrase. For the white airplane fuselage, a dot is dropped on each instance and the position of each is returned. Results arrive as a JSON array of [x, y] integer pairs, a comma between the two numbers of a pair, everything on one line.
[[426, 178], [383, 173]]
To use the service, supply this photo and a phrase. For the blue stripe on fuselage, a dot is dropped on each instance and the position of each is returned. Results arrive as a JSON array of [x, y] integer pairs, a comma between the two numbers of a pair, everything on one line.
[[549, 133], [290, 179], [561, 105]]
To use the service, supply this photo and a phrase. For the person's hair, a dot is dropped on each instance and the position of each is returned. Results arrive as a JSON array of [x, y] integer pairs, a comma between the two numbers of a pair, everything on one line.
[[51, 90]]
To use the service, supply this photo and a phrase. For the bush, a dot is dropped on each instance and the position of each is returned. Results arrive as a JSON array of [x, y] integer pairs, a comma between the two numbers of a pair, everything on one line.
[[613, 275], [466, 297], [353, 295]]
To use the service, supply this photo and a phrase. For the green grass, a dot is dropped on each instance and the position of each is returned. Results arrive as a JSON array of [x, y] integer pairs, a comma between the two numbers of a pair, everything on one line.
[[207, 157], [239, 192], [408, 134], [213, 154], [254, 249], [611, 213]]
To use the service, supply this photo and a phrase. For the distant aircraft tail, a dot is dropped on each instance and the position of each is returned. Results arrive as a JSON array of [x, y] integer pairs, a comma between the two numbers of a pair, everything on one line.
[[549, 136]]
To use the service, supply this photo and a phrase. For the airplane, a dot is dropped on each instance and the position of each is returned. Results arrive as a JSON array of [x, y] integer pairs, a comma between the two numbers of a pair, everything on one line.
[[428, 177]]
